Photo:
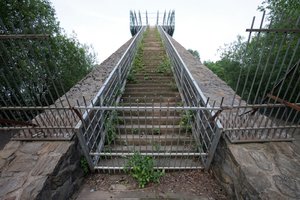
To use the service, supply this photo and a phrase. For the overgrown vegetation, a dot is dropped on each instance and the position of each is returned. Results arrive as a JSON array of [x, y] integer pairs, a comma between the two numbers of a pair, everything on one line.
[[138, 63], [195, 53], [186, 121], [165, 67], [111, 127], [84, 164], [141, 168]]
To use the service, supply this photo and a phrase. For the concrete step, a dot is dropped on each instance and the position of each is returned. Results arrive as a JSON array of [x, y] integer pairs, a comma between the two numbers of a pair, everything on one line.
[[161, 81], [140, 85], [149, 120], [145, 139], [155, 113], [171, 104], [155, 48], [155, 81], [151, 44], [152, 147], [150, 89], [126, 99], [153, 74], [157, 94], [149, 58], [142, 129], [142, 74], [155, 53], [158, 162], [151, 39]]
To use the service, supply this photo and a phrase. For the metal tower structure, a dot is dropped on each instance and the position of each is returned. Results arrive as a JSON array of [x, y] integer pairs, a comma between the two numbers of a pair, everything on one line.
[[165, 20]]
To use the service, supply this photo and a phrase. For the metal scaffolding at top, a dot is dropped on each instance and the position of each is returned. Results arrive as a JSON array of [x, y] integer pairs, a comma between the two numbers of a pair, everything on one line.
[[165, 20]]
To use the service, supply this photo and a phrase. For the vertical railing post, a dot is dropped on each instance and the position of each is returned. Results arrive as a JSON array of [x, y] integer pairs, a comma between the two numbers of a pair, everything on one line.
[[84, 148]]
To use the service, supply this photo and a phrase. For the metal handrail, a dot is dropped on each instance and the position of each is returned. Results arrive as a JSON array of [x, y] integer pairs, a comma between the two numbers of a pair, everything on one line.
[[200, 93], [202, 121], [115, 81]]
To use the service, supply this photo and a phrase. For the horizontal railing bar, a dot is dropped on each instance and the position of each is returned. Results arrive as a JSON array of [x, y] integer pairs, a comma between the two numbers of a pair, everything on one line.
[[228, 129], [273, 30], [183, 167], [36, 127], [140, 107], [48, 138], [25, 36], [261, 140], [262, 128], [149, 154]]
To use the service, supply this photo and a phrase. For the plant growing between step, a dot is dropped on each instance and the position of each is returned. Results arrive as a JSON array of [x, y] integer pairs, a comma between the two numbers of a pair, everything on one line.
[[138, 63], [106, 157], [165, 67], [110, 125], [174, 85], [134, 131], [157, 145], [187, 119], [156, 130], [84, 164], [141, 168]]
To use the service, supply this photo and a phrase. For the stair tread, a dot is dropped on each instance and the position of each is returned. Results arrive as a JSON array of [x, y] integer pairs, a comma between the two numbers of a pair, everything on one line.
[[158, 162]]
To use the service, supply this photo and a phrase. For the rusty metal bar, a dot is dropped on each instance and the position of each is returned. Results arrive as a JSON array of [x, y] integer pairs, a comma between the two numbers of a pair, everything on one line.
[[284, 102]]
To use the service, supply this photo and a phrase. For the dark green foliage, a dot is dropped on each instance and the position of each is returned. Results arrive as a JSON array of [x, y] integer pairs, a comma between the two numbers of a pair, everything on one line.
[[195, 53], [84, 164], [165, 67], [110, 125], [131, 78], [72, 59], [271, 44], [137, 64], [142, 169], [187, 119]]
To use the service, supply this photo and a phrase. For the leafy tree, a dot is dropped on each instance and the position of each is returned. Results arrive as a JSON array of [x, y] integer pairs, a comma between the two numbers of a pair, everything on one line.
[[195, 53], [33, 61], [266, 53]]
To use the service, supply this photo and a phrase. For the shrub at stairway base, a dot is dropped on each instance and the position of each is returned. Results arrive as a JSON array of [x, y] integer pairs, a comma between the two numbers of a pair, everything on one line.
[[143, 170]]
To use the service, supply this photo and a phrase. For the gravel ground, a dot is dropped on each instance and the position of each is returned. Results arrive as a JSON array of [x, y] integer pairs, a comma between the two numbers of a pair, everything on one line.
[[191, 183]]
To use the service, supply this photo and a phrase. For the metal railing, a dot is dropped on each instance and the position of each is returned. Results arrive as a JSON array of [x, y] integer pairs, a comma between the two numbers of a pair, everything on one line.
[[268, 109], [206, 130], [29, 86], [91, 129], [112, 129], [166, 20]]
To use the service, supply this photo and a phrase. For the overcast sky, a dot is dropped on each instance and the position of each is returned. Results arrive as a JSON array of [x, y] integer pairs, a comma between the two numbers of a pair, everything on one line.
[[201, 25]]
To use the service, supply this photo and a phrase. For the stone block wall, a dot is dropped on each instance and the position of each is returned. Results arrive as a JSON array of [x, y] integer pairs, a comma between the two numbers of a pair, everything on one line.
[[258, 170], [40, 170]]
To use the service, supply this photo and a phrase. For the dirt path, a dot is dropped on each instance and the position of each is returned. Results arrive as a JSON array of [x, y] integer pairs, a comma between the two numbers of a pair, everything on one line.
[[186, 184]]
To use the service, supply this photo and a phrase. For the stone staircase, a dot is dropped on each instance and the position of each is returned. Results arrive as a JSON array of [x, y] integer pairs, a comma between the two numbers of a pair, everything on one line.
[[155, 132]]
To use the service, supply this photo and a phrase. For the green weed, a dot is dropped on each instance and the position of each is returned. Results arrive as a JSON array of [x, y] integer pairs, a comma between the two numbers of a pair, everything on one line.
[[142, 169]]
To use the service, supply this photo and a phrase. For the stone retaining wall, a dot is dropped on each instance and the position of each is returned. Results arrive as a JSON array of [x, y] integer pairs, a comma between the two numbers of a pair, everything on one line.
[[253, 170], [51, 170], [40, 170]]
